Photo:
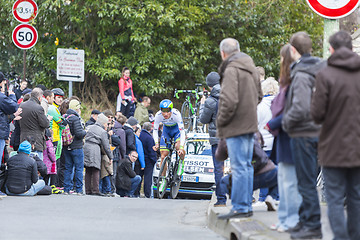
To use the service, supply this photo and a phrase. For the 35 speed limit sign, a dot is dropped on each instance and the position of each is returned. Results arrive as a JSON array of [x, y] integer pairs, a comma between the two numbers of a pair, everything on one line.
[[24, 36]]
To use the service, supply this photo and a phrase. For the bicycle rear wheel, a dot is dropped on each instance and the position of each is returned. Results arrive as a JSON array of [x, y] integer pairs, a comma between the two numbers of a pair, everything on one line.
[[175, 185], [186, 116], [161, 179]]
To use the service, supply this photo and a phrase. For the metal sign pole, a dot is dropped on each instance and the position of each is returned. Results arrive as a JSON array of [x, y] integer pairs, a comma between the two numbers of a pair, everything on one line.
[[330, 27], [24, 65], [70, 89]]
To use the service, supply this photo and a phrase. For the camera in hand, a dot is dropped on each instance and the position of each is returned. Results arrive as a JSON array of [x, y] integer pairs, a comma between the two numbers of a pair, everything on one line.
[[206, 93]]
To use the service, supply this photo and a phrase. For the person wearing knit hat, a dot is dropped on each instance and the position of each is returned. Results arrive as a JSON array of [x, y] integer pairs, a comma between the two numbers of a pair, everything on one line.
[[74, 105], [132, 121], [25, 147], [96, 140], [22, 178], [74, 154], [207, 115], [102, 119], [212, 79]]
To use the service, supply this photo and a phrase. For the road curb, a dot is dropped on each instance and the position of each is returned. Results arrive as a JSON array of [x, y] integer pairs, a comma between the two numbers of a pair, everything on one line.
[[239, 229]]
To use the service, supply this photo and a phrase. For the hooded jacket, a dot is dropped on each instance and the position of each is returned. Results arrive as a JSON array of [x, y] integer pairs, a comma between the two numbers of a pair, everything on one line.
[[297, 121], [8, 105], [22, 173], [239, 96], [120, 132], [95, 140], [208, 112], [336, 105], [76, 129], [33, 123]]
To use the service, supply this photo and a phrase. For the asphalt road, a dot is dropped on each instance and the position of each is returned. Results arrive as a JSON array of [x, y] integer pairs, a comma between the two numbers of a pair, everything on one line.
[[90, 217]]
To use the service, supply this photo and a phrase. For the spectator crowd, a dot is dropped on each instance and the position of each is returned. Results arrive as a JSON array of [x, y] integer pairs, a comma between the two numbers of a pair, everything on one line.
[[276, 134], [52, 146]]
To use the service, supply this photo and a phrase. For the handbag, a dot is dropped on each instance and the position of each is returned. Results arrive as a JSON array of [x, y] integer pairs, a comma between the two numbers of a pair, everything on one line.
[[221, 153]]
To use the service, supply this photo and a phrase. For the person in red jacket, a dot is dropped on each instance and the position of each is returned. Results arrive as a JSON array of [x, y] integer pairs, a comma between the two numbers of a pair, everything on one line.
[[126, 94]]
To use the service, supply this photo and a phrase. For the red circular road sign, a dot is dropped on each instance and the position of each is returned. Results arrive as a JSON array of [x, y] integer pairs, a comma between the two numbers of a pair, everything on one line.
[[24, 36], [333, 9], [24, 10]]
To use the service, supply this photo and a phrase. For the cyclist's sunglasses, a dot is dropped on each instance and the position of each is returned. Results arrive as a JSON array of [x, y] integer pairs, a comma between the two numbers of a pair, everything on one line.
[[166, 109]]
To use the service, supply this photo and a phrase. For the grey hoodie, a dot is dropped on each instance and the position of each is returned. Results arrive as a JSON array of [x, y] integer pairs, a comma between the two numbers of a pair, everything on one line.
[[297, 121], [208, 112]]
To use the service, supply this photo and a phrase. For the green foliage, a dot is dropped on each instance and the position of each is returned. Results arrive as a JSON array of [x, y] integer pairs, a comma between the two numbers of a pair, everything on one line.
[[167, 44]]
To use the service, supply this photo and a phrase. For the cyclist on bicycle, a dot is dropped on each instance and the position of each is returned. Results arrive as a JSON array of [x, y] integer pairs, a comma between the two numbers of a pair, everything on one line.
[[173, 129]]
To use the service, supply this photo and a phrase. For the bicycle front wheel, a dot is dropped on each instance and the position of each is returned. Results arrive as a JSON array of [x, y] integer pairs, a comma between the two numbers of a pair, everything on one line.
[[175, 185], [162, 182], [186, 116]]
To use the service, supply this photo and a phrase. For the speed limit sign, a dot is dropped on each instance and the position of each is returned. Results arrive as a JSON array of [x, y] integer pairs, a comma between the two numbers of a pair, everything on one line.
[[24, 36]]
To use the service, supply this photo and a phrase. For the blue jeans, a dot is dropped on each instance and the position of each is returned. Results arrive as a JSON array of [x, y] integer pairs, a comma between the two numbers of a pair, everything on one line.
[[219, 172], [240, 150], [148, 178], [290, 199], [135, 181], [105, 185], [304, 150], [34, 189], [2, 147], [341, 182], [74, 158], [267, 180]]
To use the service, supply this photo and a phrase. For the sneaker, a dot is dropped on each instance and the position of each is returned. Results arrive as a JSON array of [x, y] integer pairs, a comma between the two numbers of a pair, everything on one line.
[[307, 233], [235, 214], [66, 193], [163, 185], [79, 193], [180, 169], [274, 227], [270, 202], [259, 204], [110, 194], [2, 195], [220, 204]]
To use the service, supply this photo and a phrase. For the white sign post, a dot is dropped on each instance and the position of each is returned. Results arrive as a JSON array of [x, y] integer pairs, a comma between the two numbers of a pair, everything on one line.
[[70, 66]]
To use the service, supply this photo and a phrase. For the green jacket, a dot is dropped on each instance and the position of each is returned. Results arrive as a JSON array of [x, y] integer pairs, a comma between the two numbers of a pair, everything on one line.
[[141, 114]]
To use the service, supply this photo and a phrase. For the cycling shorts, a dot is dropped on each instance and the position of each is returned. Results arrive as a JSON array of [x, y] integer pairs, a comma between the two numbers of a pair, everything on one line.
[[169, 133]]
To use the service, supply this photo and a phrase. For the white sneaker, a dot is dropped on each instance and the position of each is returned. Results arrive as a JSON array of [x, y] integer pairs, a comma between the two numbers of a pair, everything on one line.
[[259, 205], [270, 202]]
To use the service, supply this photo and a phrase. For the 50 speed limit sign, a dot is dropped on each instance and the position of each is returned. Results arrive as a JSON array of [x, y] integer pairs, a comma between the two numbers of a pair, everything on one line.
[[24, 36]]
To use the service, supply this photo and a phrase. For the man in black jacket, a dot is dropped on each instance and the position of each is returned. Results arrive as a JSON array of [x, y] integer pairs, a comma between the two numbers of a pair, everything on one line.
[[22, 177], [208, 111], [304, 133], [129, 128], [74, 154], [93, 118], [34, 122], [126, 179]]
